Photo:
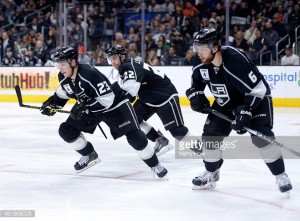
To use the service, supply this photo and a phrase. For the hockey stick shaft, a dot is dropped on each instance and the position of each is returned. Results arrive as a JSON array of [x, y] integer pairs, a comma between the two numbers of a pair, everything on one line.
[[20, 100], [21, 104], [254, 132]]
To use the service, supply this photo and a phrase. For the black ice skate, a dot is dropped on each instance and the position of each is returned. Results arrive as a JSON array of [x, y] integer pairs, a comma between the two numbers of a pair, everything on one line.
[[206, 180], [86, 162], [159, 170], [284, 184], [162, 144]]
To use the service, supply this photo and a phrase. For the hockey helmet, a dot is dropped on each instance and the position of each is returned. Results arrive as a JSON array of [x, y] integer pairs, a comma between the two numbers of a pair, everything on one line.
[[206, 36], [118, 49], [65, 54]]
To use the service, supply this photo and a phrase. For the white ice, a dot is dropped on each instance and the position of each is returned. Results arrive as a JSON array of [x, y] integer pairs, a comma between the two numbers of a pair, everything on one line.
[[36, 173]]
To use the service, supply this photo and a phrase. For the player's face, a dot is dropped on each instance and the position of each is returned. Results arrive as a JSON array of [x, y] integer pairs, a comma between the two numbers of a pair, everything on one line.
[[114, 60], [204, 53], [64, 67]]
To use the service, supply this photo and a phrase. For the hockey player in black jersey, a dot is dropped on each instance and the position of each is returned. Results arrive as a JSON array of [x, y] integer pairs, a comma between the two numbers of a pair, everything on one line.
[[155, 92], [241, 93], [97, 100]]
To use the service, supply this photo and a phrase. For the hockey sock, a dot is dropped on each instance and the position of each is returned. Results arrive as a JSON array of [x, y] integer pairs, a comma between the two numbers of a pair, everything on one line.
[[277, 167], [152, 135]]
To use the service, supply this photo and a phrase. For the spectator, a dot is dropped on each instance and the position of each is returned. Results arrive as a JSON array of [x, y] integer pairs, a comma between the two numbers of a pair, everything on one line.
[[154, 7], [30, 59], [160, 52], [188, 60], [250, 33], [133, 53], [168, 6], [100, 57], [119, 40], [282, 17], [239, 41], [171, 58], [6, 42], [83, 58], [41, 52], [289, 58], [189, 7], [279, 27], [259, 46], [152, 59], [9, 60], [180, 44], [271, 37]]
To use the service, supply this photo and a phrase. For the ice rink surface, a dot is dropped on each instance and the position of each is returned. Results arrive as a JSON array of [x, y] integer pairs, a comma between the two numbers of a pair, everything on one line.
[[36, 173]]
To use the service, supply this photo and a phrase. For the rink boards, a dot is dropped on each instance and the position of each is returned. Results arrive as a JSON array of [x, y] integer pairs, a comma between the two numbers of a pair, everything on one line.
[[37, 83]]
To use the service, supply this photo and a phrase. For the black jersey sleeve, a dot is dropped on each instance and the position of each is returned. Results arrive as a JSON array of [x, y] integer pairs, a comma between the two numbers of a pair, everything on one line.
[[129, 75], [244, 76]]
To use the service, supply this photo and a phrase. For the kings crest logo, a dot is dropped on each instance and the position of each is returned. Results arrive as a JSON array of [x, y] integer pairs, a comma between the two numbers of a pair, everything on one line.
[[68, 88], [204, 74], [220, 92]]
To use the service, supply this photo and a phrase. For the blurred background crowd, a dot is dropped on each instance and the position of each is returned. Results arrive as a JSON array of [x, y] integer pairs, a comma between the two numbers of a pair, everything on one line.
[[31, 29]]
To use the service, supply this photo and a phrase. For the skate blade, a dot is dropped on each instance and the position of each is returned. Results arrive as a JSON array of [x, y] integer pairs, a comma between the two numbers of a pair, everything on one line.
[[204, 187], [165, 149], [287, 194], [92, 163], [164, 178]]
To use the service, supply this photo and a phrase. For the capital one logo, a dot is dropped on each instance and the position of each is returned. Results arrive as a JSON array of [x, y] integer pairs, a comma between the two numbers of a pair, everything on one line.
[[219, 91]]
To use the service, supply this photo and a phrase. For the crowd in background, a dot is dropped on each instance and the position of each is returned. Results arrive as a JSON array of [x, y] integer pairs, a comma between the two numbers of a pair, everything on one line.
[[168, 35]]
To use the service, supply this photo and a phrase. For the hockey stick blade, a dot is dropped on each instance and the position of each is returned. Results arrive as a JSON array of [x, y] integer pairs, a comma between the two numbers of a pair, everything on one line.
[[20, 100], [254, 132], [19, 95]]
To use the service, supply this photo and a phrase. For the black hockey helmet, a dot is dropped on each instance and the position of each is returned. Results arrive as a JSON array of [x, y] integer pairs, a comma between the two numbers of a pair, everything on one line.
[[206, 36], [118, 49], [65, 54]]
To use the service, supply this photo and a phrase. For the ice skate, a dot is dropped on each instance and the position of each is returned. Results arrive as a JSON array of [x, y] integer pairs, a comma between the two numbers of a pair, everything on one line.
[[284, 184], [162, 144], [159, 170], [206, 180], [86, 162]]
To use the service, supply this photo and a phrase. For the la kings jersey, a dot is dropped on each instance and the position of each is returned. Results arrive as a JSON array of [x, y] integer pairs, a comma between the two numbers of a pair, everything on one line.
[[90, 85], [150, 85], [231, 84]]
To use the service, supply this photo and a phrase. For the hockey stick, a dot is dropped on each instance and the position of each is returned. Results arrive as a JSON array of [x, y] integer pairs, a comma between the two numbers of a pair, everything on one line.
[[254, 132], [20, 100]]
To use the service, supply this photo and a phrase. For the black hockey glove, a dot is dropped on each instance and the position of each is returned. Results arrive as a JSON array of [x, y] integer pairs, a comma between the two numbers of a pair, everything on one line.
[[198, 100], [79, 110], [242, 119], [48, 107]]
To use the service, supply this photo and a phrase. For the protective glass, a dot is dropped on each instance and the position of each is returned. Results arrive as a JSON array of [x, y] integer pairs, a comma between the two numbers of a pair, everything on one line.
[[61, 64]]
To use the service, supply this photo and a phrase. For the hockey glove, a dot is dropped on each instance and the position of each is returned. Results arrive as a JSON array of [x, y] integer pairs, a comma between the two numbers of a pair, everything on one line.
[[79, 110], [242, 119], [198, 100], [48, 108]]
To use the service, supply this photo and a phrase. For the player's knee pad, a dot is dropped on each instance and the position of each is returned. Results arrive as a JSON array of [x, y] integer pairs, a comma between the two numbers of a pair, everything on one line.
[[258, 142], [270, 153], [211, 145], [137, 139], [68, 133], [145, 127], [179, 132]]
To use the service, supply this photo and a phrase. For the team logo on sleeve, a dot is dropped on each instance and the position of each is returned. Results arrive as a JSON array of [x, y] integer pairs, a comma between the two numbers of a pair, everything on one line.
[[220, 93], [68, 88], [204, 74]]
